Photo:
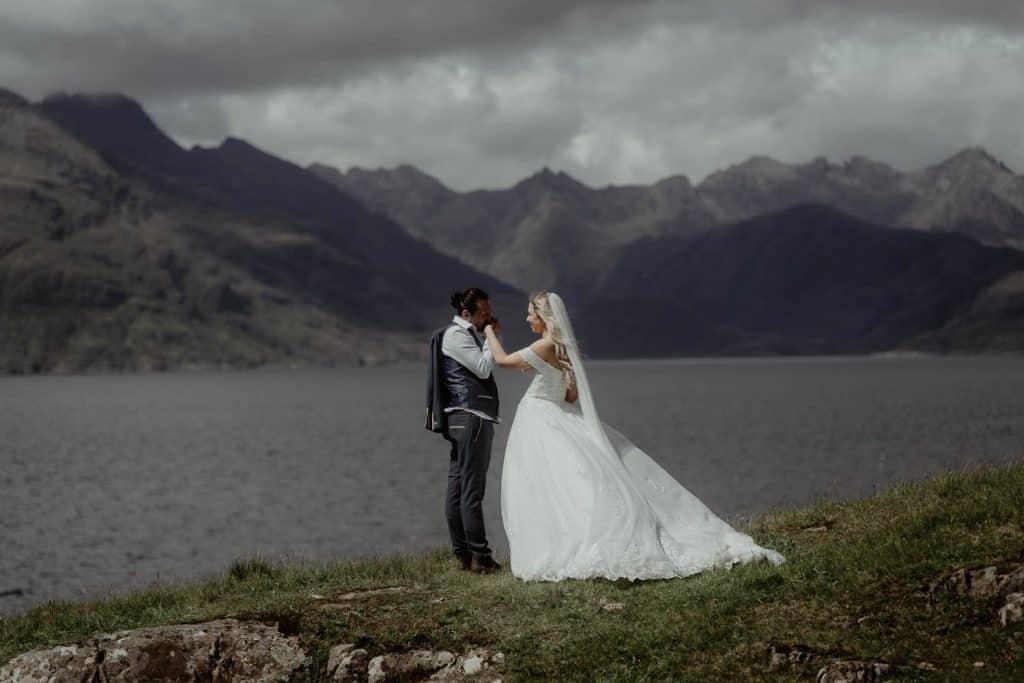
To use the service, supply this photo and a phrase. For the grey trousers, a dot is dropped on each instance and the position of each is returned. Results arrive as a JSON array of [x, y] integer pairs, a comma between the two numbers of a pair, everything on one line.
[[470, 437]]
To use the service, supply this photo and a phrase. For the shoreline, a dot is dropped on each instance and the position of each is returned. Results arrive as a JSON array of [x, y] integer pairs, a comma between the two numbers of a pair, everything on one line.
[[208, 369]]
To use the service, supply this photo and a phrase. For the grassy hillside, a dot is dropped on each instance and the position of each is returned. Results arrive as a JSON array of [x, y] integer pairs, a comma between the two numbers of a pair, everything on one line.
[[858, 584]]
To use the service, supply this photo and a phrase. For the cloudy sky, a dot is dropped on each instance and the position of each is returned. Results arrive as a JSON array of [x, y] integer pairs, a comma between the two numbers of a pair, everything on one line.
[[482, 93]]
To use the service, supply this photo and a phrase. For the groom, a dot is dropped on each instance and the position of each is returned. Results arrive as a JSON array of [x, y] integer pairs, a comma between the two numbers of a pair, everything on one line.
[[462, 405]]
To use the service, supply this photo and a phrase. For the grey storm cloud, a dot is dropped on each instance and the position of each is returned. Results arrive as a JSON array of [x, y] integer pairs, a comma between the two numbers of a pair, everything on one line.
[[483, 93]]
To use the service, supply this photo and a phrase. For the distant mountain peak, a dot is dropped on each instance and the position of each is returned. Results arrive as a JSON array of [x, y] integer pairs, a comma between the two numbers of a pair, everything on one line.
[[973, 158], [678, 179], [109, 103], [111, 121], [404, 175], [11, 98], [409, 169], [231, 142], [760, 162], [758, 166], [555, 180]]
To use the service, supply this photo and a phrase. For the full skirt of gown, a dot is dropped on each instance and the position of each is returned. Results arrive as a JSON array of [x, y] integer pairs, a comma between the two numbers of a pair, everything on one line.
[[570, 510]]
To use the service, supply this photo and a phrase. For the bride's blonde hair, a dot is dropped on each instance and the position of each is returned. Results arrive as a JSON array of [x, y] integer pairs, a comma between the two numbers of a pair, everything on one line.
[[543, 308]]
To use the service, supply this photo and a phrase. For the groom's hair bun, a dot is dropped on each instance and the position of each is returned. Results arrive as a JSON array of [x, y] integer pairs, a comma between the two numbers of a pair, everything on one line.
[[467, 300]]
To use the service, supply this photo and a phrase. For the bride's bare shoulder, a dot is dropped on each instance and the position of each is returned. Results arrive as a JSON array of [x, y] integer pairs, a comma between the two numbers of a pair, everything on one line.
[[545, 348]]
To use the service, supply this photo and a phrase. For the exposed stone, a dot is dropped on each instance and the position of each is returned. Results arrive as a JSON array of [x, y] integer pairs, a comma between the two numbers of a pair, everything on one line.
[[223, 650], [612, 606], [982, 582], [352, 666], [430, 665], [782, 658], [852, 671], [1013, 581], [473, 664], [336, 655], [1013, 611], [395, 666]]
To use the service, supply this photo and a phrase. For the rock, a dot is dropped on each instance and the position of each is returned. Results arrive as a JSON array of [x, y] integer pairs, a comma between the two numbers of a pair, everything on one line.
[[352, 666], [221, 650], [926, 666], [1013, 581], [852, 671], [612, 606], [473, 664], [375, 671], [397, 666], [982, 582], [430, 665], [1013, 611], [336, 655], [780, 659]]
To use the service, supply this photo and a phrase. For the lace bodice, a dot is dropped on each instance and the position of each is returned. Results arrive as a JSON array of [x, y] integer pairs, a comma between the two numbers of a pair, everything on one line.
[[548, 383]]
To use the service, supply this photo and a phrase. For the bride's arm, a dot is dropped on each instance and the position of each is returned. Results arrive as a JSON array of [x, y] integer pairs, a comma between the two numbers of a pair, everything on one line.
[[502, 359]]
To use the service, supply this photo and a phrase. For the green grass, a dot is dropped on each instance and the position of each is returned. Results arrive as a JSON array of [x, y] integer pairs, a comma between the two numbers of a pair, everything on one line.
[[857, 590]]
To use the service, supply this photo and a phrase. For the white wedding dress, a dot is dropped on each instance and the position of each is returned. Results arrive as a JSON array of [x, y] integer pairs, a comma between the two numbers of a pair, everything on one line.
[[578, 503]]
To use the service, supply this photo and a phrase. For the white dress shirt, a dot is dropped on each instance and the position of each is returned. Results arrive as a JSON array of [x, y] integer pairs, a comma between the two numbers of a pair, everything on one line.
[[458, 343]]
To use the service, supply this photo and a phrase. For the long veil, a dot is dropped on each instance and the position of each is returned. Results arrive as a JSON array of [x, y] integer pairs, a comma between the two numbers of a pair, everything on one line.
[[586, 398]]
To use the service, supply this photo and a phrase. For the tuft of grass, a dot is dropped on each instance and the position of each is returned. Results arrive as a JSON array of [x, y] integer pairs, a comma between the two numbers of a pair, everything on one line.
[[257, 566], [856, 589]]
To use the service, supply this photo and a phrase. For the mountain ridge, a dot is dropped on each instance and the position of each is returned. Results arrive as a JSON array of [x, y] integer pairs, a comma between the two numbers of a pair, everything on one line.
[[121, 256]]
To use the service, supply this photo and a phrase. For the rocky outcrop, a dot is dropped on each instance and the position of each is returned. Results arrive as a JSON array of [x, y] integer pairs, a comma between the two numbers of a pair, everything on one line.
[[222, 650], [346, 662], [1004, 583], [1013, 611], [852, 671], [981, 582], [833, 667]]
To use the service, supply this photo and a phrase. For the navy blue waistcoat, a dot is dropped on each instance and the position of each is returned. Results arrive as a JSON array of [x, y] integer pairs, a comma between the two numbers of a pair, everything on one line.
[[450, 384]]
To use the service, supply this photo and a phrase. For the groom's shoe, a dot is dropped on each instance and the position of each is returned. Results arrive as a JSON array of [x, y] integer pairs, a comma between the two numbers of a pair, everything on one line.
[[465, 560], [484, 564]]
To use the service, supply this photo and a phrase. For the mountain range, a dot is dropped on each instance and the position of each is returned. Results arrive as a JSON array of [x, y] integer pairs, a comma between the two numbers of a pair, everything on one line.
[[122, 250], [521, 234]]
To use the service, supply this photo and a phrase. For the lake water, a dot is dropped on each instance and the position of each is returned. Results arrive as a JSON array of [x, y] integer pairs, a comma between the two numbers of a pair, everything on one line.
[[111, 481]]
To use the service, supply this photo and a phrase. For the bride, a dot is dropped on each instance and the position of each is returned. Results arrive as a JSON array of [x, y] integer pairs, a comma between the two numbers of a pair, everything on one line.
[[578, 499]]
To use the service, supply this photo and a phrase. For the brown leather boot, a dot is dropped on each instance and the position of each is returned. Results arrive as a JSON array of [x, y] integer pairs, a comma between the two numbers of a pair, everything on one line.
[[484, 564], [465, 560]]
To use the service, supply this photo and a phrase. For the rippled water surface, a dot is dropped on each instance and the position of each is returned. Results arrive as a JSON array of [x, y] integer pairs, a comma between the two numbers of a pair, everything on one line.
[[118, 481]]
